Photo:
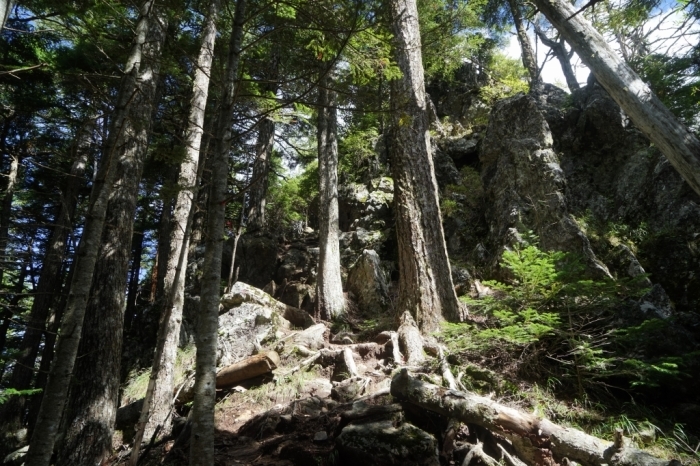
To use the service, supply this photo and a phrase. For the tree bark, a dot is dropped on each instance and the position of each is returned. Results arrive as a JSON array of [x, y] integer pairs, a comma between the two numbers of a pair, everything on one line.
[[6, 213], [91, 410], [202, 441], [425, 281], [5, 10], [646, 111], [264, 147], [155, 415], [559, 50], [563, 442], [330, 302], [528, 55], [133, 287], [127, 122], [50, 277], [261, 171]]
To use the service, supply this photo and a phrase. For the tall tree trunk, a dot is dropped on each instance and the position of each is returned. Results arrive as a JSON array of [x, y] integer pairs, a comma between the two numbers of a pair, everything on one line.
[[330, 302], [92, 406], [155, 415], [5, 217], [53, 324], [425, 282], [528, 55], [165, 228], [647, 112], [50, 276], [559, 50], [130, 113], [261, 171], [263, 155], [6, 213], [133, 287], [202, 442], [5, 10]]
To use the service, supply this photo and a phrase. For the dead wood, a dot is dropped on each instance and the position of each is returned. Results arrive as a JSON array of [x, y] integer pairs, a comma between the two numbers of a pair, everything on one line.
[[561, 441], [248, 368], [477, 452]]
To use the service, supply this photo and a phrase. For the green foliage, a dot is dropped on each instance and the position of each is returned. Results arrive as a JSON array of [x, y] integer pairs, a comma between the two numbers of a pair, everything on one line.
[[356, 150], [7, 393], [448, 207], [508, 77], [289, 199], [558, 323]]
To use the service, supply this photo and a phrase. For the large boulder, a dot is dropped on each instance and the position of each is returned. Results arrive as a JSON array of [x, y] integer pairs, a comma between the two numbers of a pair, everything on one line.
[[383, 443], [369, 284], [524, 184], [250, 316]]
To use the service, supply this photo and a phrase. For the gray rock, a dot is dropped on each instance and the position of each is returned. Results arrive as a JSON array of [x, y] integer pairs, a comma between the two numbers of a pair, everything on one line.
[[320, 436], [249, 317], [524, 184], [368, 283], [656, 303], [313, 338], [382, 443]]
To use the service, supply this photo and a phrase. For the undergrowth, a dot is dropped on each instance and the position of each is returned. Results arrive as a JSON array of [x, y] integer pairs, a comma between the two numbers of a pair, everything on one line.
[[549, 321]]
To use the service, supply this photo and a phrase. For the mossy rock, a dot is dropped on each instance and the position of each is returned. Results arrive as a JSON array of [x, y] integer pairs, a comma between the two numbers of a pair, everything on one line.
[[382, 443]]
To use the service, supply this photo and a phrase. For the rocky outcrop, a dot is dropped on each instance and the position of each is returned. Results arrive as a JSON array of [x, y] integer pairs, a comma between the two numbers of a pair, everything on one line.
[[524, 184], [250, 316], [615, 176], [368, 284]]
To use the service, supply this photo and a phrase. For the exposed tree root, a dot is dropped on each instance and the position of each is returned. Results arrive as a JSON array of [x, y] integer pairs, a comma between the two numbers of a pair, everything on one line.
[[539, 433]]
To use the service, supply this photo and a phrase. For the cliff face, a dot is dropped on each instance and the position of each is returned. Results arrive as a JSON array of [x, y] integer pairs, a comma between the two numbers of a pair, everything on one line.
[[573, 170]]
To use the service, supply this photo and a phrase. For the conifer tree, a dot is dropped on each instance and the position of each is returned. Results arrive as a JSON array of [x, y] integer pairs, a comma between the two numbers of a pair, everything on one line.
[[425, 281]]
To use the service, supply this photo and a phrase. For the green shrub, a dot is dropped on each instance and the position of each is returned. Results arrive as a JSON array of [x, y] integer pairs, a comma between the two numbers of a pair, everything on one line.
[[549, 321]]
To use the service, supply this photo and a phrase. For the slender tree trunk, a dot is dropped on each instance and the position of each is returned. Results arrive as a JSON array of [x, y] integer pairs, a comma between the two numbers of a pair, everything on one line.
[[133, 287], [5, 217], [128, 118], [263, 150], [425, 282], [330, 302], [50, 277], [202, 442], [5, 10], [647, 112], [200, 201], [236, 238], [261, 170], [155, 415], [6, 213], [53, 324], [165, 227], [528, 55], [92, 406], [559, 50]]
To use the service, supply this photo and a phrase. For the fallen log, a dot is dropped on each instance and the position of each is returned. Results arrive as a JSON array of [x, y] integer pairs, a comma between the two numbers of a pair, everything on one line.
[[253, 366], [563, 442]]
